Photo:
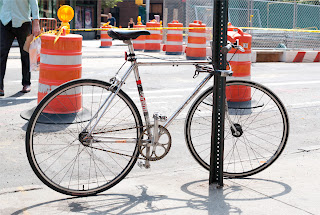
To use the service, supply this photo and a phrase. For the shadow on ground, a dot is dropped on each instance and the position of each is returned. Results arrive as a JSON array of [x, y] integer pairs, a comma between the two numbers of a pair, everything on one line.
[[216, 201], [12, 100]]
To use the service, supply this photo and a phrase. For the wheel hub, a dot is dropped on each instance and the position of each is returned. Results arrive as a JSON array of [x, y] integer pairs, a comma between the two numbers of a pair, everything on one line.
[[238, 132], [84, 139]]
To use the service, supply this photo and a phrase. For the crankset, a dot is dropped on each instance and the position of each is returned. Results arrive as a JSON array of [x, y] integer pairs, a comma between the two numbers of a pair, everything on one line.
[[157, 149]]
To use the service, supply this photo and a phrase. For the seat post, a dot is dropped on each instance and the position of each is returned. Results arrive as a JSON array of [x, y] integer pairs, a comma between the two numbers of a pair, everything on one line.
[[130, 45]]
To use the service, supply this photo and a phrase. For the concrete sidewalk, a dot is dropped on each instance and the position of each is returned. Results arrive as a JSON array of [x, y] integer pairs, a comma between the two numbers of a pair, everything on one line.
[[176, 184], [290, 186]]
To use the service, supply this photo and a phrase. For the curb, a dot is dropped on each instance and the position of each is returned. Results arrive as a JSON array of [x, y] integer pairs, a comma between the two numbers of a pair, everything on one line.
[[259, 56], [285, 56]]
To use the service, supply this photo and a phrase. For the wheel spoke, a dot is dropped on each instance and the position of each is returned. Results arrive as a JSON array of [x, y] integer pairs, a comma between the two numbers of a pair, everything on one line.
[[262, 125], [67, 162]]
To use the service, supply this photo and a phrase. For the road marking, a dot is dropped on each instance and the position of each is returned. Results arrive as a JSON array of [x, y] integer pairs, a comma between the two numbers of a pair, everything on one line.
[[304, 104], [148, 98], [17, 98], [292, 83], [20, 81]]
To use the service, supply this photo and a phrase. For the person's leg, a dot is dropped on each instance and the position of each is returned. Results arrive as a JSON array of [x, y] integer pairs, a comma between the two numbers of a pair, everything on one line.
[[21, 34], [6, 39]]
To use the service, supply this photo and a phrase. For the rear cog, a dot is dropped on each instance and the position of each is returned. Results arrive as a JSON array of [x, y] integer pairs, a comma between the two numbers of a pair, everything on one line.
[[160, 149]]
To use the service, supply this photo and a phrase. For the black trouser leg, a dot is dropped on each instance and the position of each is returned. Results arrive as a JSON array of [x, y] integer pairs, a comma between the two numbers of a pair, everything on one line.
[[6, 39], [22, 33]]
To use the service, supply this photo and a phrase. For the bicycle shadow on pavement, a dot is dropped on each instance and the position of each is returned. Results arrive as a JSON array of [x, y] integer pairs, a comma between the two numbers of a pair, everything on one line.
[[189, 201]]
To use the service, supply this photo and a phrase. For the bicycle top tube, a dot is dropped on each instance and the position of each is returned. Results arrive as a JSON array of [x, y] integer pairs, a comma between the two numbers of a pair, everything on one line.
[[128, 35]]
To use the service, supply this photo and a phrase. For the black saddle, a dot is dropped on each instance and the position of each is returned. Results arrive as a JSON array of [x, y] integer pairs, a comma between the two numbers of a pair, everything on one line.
[[126, 34]]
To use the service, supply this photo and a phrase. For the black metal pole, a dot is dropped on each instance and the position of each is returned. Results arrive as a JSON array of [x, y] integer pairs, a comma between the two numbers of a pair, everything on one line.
[[220, 25]]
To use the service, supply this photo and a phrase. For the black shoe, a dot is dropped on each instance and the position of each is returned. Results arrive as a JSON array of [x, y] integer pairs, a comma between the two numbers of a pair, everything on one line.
[[1, 93]]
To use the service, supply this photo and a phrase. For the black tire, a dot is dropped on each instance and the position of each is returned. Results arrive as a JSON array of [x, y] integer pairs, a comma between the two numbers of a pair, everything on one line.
[[56, 151], [262, 121]]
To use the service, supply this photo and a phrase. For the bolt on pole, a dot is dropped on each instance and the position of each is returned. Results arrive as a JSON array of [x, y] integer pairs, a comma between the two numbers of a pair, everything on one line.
[[220, 25]]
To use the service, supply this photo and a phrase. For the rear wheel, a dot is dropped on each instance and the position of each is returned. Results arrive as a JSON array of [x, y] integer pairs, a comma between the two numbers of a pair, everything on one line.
[[258, 136], [61, 154]]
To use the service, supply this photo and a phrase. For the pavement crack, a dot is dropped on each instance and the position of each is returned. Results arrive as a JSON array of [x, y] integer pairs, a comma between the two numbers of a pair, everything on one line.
[[305, 151], [18, 191]]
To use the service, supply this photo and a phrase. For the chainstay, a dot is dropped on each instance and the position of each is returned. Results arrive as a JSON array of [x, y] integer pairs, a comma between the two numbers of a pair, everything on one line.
[[123, 129], [117, 153]]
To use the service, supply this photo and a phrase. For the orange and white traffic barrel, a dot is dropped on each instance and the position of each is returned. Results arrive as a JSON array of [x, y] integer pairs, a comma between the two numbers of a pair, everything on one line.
[[174, 44], [59, 63], [153, 41], [241, 65], [106, 40], [139, 43], [197, 40]]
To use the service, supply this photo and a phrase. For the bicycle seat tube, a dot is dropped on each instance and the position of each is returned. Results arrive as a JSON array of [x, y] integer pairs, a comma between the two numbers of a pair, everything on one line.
[[131, 57]]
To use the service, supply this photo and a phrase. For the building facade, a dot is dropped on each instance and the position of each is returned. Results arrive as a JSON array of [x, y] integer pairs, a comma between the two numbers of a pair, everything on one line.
[[90, 13]]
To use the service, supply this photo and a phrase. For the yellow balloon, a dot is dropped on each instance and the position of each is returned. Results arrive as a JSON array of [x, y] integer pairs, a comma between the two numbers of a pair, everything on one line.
[[65, 13]]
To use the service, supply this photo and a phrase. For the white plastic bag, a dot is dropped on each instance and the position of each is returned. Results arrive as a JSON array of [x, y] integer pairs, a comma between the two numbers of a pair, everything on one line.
[[34, 54]]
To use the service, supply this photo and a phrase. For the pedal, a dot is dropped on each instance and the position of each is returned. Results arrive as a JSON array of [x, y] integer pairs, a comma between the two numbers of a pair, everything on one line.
[[145, 165]]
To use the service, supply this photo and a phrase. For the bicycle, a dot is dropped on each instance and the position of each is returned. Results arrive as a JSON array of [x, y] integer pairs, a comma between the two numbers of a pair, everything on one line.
[[95, 142]]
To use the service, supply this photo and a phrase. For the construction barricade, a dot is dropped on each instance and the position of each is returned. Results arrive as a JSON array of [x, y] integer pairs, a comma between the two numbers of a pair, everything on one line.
[[106, 40], [59, 63], [197, 39], [241, 66], [153, 41], [174, 43], [139, 43]]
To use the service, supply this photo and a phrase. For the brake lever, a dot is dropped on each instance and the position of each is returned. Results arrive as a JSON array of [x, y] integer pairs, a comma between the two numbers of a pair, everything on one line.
[[241, 48]]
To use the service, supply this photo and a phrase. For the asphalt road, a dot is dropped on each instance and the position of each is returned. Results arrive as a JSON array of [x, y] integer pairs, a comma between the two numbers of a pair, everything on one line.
[[297, 85]]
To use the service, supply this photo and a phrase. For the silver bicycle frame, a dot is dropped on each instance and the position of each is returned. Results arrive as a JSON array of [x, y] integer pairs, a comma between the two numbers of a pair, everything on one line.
[[134, 67], [192, 95]]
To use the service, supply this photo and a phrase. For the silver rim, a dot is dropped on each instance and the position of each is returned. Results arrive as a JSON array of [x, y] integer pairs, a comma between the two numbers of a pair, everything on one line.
[[264, 126], [64, 163]]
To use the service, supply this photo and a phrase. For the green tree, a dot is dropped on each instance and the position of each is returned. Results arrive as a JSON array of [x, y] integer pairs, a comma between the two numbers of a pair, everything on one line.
[[110, 3]]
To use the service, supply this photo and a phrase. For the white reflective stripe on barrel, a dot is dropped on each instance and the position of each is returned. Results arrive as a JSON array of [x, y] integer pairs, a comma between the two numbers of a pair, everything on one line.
[[174, 43], [153, 41], [61, 59], [138, 41], [246, 78], [44, 88], [106, 40], [239, 57], [194, 45], [104, 32], [193, 34], [154, 32], [174, 32]]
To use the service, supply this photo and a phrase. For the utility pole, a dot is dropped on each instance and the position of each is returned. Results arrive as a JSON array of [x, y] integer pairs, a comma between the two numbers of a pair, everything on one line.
[[147, 10], [219, 62]]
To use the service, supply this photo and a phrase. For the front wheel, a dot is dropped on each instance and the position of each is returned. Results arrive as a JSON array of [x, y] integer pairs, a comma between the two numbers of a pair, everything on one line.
[[255, 134], [59, 150]]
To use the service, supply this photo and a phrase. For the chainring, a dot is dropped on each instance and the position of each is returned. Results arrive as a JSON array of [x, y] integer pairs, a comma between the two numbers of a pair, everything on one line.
[[160, 149]]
